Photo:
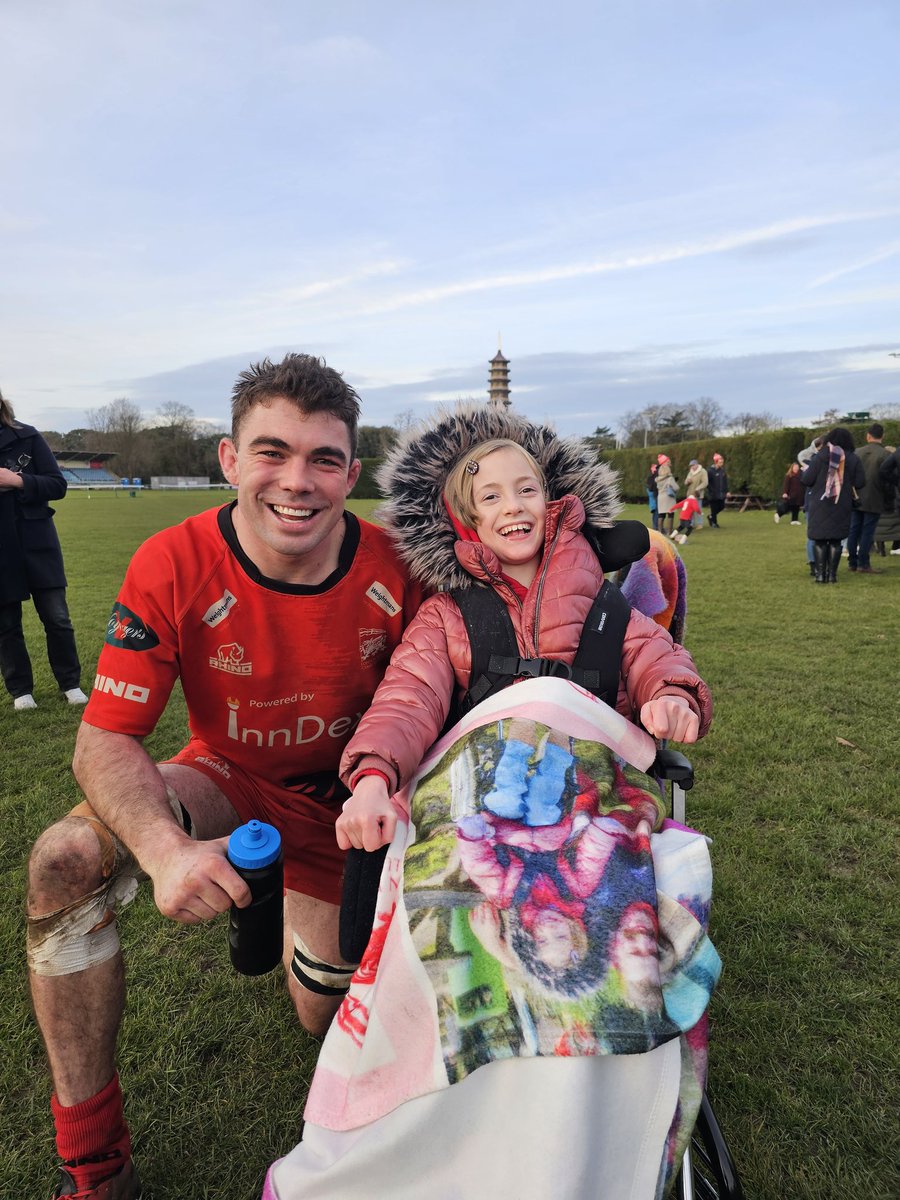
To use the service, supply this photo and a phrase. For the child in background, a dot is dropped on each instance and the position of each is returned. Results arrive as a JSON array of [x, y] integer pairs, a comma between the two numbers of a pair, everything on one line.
[[685, 511]]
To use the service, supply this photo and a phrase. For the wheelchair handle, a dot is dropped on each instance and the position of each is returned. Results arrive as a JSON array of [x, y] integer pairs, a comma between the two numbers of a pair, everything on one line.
[[672, 766]]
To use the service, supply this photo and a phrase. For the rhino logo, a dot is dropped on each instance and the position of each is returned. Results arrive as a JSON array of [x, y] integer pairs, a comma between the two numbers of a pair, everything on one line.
[[230, 658]]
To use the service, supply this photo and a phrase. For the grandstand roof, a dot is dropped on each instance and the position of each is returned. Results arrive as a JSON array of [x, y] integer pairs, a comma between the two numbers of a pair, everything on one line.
[[74, 457]]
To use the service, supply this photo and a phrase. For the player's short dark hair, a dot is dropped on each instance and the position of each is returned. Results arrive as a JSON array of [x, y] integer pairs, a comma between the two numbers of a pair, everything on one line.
[[876, 430], [304, 380]]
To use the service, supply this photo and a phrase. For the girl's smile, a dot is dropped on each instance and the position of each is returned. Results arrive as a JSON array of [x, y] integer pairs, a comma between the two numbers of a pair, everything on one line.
[[510, 512]]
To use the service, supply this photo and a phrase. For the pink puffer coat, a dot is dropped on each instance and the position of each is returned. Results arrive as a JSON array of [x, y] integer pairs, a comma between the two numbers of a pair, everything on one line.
[[434, 658]]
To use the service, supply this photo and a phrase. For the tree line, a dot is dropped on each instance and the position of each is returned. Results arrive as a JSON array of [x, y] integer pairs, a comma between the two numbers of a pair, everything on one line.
[[668, 424], [659, 424], [174, 441]]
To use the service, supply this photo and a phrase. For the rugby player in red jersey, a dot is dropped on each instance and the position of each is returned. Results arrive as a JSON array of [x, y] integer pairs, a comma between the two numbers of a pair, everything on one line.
[[278, 614]]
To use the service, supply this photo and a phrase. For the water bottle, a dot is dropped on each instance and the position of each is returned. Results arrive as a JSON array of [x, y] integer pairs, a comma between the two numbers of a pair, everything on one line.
[[256, 933]]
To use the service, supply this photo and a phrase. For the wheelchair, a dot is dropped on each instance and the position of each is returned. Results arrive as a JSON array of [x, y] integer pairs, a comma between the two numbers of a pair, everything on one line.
[[708, 1171]]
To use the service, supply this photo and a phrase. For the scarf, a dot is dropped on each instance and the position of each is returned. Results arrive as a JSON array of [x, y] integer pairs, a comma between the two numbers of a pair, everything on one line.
[[835, 478]]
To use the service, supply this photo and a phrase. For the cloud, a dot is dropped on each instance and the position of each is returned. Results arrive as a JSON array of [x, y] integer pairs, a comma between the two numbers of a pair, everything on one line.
[[763, 235], [879, 256], [578, 392], [320, 287]]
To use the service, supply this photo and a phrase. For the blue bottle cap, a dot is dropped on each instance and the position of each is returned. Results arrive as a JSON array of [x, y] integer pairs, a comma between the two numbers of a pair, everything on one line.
[[254, 845]]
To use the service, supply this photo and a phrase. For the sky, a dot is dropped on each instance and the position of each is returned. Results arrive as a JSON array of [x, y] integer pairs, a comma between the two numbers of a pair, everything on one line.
[[644, 202]]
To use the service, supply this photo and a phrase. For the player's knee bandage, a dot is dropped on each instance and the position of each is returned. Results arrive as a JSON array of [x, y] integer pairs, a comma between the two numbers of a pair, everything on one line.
[[317, 976], [83, 933]]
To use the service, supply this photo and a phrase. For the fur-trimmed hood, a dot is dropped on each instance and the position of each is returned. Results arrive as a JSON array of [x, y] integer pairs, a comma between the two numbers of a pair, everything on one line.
[[413, 475]]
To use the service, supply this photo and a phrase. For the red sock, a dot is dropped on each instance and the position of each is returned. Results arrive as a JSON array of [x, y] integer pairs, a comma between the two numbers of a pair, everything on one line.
[[91, 1137]]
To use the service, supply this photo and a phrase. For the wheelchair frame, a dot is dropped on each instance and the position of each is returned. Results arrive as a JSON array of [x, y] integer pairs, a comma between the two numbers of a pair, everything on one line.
[[707, 1169]]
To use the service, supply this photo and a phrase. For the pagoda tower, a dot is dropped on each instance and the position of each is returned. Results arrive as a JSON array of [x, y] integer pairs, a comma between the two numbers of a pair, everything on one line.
[[498, 382]]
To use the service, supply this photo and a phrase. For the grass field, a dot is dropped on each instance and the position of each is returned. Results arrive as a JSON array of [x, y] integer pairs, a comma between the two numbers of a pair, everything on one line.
[[797, 786]]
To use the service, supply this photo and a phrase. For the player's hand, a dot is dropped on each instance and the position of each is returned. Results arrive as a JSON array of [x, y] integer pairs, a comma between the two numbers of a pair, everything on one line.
[[670, 717], [195, 882], [368, 819]]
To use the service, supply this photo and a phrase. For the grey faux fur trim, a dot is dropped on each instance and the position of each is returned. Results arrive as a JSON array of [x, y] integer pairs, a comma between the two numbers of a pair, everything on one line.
[[413, 475]]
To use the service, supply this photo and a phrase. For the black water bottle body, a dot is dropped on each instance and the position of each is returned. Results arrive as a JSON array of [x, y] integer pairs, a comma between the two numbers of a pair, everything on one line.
[[256, 933]]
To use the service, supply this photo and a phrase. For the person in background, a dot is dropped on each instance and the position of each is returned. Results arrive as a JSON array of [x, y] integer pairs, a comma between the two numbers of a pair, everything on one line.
[[888, 528], [666, 491], [650, 485], [717, 482], [831, 477], [793, 493], [686, 511], [804, 458], [695, 484], [869, 504], [32, 562]]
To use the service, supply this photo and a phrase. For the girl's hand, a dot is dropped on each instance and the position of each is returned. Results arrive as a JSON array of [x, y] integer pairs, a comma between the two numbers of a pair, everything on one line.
[[368, 818], [670, 717]]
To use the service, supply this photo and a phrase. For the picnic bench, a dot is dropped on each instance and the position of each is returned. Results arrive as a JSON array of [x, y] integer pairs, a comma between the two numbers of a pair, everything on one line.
[[744, 500]]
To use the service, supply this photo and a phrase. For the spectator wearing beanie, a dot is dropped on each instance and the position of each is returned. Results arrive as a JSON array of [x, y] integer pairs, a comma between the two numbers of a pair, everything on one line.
[[666, 492], [695, 484]]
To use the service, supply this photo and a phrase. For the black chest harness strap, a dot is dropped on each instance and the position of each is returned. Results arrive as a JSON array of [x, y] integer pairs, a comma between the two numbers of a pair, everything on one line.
[[496, 662]]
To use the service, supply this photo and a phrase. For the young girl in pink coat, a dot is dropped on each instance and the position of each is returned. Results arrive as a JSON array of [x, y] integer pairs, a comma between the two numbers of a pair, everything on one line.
[[524, 904], [513, 537]]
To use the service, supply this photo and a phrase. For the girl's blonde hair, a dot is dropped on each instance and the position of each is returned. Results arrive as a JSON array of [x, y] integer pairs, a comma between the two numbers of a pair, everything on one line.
[[459, 490]]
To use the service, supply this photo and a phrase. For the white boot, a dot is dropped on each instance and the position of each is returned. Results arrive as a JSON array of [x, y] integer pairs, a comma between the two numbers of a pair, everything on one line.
[[76, 696], [23, 702]]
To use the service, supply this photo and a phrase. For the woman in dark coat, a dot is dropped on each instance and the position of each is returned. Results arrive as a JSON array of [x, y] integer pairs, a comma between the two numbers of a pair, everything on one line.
[[831, 477], [793, 493], [888, 527], [31, 562]]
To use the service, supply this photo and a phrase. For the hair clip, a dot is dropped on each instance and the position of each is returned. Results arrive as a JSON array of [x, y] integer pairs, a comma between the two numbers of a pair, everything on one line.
[[471, 467]]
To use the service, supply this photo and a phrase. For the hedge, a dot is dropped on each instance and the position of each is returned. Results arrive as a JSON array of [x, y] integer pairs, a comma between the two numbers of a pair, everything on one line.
[[366, 487], [755, 462]]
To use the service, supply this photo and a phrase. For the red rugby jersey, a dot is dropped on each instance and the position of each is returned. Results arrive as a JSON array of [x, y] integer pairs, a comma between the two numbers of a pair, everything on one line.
[[275, 675]]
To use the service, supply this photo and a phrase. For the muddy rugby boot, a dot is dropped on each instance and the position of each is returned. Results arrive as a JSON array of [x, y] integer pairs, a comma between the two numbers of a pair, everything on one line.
[[124, 1185]]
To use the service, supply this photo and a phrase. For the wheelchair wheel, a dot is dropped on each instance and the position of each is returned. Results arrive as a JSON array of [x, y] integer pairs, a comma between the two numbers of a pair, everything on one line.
[[708, 1171]]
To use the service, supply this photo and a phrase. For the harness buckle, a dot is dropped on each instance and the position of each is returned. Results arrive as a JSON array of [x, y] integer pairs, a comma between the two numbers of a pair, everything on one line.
[[539, 668]]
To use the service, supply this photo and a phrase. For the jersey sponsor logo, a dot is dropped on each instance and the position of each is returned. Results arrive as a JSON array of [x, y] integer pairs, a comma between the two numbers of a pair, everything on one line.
[[283, 700], [380, 595], [215, 764], [372, 643], [299, 732], [219, 609], [118, 687], [230, 658], [126, 630]]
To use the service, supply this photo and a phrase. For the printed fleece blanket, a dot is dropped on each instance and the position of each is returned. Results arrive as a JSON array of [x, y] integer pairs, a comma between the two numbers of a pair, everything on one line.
[[537, 903]]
